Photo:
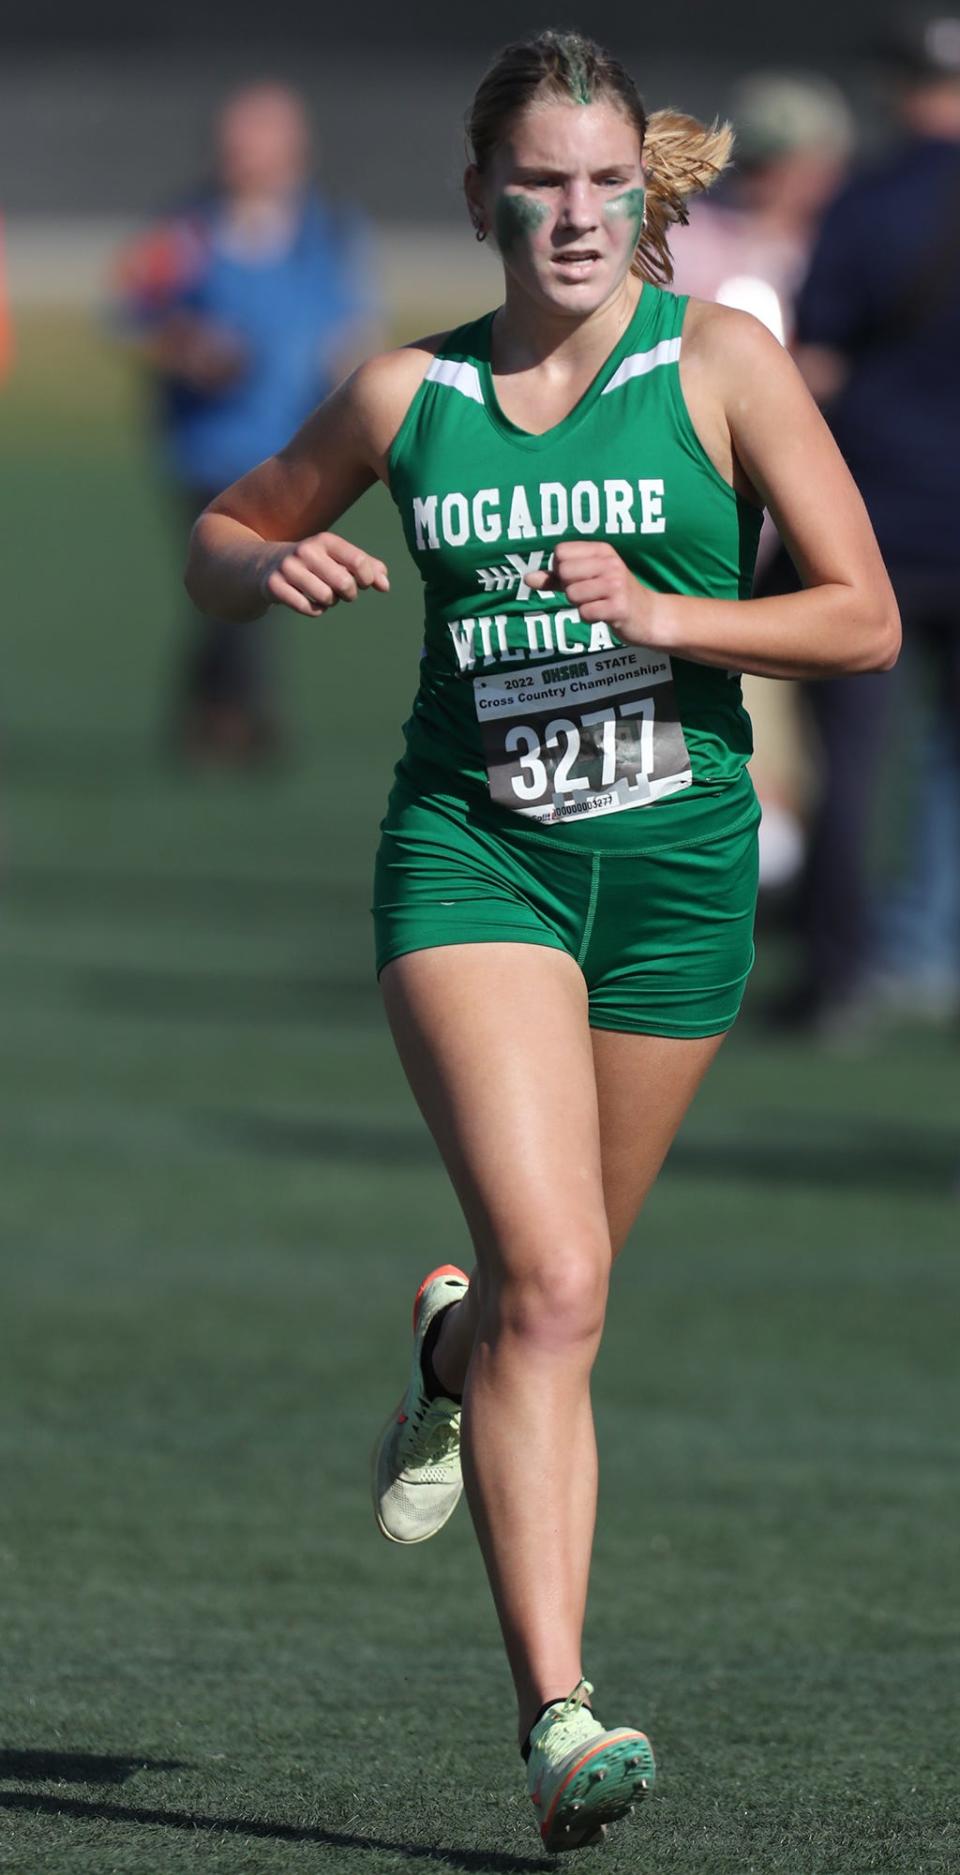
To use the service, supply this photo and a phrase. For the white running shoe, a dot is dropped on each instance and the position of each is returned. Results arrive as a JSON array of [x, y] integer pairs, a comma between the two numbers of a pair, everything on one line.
[[581, 1777], [416, 1460]]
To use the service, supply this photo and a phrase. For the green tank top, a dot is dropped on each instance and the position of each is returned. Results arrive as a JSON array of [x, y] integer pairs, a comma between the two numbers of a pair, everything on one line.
[[525, 713]]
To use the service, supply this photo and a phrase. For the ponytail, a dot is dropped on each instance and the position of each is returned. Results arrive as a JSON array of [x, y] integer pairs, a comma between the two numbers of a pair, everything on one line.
[[680, 157]]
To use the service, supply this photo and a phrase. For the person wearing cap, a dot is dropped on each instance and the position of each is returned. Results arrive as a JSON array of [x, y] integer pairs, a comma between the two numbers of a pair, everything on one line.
[[878, 339], [749, 247]]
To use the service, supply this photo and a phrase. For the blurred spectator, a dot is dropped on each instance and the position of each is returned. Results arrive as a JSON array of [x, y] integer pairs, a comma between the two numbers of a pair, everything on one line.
[[245, 307], [916, 938], [878, 335], [6, 323], [748, 244]]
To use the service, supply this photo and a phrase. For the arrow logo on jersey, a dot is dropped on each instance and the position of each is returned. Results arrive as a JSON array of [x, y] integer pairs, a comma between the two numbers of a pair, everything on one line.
[[513, 571]]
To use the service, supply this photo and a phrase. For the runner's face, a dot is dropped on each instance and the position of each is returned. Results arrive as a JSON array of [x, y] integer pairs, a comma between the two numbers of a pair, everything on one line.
[[565, 201]]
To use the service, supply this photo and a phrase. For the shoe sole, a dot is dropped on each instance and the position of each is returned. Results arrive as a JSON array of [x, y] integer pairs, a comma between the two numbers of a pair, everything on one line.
[[603, 1787], [407, 1542]]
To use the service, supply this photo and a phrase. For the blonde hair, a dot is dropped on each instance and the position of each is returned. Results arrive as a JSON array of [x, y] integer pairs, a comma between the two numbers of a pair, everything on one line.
[[680, 155]]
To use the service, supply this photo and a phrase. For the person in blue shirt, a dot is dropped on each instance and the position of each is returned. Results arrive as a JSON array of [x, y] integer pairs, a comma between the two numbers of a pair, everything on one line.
[[878, 340], [246, 307]]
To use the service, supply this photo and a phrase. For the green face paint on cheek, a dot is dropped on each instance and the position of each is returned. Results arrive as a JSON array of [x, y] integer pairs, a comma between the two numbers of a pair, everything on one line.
[[515, 218], [628, 207]]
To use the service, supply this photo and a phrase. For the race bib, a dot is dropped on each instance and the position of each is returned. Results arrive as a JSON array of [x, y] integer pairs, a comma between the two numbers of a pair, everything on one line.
[[592, 736]]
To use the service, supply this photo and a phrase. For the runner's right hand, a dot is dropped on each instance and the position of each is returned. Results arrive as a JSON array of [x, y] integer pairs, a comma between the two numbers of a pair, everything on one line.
[[312, 575]]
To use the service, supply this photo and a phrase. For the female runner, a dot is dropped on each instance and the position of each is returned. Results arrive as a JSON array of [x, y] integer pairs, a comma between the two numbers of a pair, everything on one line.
[[565, 885]]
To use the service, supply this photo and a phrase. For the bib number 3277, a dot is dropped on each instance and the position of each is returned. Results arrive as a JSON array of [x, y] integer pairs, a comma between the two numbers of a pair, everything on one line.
[[592, 737]]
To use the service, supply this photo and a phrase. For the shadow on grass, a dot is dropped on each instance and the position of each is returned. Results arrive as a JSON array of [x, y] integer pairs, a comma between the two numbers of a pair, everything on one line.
[[841, 1152], [124, 891], [78, 1767], [249, 998], [276, 1136], [91, 760], [98, 760], [470, 1861]]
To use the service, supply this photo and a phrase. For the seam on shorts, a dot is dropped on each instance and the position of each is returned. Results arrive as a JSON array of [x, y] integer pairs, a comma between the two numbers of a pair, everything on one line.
[[750, 818], [670, 1026], [671, 1031], [403, 949], [591, 908]]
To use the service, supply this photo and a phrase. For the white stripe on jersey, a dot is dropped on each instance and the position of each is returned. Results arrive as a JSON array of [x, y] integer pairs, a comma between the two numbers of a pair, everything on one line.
[[639, 363], [459, 374]]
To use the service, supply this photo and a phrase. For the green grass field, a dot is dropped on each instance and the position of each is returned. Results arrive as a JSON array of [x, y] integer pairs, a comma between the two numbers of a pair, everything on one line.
[[217, 1198]]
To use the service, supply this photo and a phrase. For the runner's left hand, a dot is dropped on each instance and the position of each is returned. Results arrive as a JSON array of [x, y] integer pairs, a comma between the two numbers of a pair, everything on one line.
[[601, 586]]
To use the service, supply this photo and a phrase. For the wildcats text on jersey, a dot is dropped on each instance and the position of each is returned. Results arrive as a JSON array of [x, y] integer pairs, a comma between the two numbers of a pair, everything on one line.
[[486, 641], [613, 506]]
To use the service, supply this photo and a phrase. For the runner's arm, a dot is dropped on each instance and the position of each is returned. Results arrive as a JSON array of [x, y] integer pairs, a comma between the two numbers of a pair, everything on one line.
[[266, 539], [845, 618]]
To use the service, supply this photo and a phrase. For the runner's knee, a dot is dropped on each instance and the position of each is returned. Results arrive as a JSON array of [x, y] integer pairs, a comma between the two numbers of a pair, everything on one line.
[[558, 1300]]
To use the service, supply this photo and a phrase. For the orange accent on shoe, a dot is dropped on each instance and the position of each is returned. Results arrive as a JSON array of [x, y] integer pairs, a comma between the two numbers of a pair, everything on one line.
[[574, 1768], [443, 1269]]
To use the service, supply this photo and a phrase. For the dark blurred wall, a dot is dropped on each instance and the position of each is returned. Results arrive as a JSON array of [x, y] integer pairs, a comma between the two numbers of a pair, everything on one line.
[[741, 29], [111, 118]]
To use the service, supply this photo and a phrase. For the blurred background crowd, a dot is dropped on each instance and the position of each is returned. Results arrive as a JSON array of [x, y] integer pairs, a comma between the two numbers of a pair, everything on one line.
[[243, 227]]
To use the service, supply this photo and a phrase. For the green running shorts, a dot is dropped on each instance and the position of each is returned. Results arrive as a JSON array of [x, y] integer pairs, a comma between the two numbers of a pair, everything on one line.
[[664, 938]]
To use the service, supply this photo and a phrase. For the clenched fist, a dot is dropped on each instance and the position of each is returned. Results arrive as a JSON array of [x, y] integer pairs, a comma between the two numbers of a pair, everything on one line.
[[600, 585], [312, 575]]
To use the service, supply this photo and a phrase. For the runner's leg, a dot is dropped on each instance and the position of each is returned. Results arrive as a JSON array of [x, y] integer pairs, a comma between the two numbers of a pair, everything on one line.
[[669, 1071], [495, 1043], [645, 1084]]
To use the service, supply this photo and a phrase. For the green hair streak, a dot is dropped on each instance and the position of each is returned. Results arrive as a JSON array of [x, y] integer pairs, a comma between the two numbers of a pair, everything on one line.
[[576, 64]]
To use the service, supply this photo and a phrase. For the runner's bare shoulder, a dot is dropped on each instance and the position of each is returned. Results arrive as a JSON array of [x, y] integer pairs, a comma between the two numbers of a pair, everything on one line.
[[723, 341], [382, 389], [726, 360]]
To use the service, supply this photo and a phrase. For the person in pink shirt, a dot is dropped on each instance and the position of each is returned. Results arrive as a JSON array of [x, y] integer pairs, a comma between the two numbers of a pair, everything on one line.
[[749, 246]]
